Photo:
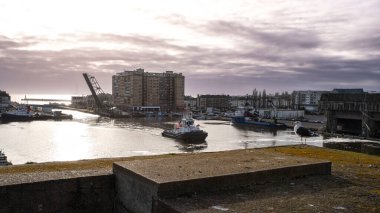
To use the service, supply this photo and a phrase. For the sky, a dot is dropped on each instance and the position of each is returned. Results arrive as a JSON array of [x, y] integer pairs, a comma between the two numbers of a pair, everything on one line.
[[220, 46]]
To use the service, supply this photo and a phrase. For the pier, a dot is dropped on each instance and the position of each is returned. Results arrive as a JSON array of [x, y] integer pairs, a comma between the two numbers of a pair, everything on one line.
[[45, 100]]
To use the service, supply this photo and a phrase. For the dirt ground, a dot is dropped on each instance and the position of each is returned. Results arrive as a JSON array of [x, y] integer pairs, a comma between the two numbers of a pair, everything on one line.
[[354, 186]]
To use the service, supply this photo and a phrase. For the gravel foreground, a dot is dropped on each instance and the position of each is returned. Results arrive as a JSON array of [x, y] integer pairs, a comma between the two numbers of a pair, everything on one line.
[[354, 185]]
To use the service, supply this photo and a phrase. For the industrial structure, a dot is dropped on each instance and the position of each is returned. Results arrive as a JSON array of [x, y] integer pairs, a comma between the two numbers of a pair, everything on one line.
[[352, 112], [221, 102], [143, 91], [102, 104]]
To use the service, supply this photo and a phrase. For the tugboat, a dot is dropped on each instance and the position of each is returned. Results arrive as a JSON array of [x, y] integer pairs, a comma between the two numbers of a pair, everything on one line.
[[3, 159], [186, 130]]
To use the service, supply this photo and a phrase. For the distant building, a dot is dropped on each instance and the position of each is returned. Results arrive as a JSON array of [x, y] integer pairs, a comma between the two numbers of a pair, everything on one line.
[[352, 113], [83, 102], [307, 100], [88, 101], [348, 91], [220, 102], [5, 100], [136, 90], [190, 102], [241, 101], [79, 102]]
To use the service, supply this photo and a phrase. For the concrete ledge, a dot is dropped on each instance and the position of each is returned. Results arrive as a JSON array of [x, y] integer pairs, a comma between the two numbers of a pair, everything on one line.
[[139, 184], [58, 193], [33, 177], [370, 148]]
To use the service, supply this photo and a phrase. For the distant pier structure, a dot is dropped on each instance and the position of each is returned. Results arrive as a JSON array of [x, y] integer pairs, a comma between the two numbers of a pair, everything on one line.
[[352, 112], [45, 100]]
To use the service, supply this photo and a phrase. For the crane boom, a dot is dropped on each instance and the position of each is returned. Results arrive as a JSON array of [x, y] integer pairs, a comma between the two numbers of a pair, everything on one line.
[[95, 89]]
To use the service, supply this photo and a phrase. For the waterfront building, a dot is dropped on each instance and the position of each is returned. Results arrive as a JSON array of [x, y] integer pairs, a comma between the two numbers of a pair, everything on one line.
[[307, 100], [350, 112], [241, 101], [348, 91], [88, 102], [136, 90], [190, 102], [83, 102], [220, 102], [78, 102], [5, 100], [256, 101]]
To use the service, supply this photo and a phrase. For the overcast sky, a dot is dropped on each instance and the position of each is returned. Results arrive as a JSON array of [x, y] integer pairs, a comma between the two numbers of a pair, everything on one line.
[[221, 46]]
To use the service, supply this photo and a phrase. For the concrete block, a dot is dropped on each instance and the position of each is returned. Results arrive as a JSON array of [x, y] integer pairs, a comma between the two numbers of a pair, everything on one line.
[[141, 184]]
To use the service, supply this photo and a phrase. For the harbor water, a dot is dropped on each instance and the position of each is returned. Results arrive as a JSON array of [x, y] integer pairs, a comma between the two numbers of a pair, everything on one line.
[[89, 136]]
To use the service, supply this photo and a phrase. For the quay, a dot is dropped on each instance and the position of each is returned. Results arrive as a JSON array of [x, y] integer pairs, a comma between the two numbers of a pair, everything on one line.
[[289, 178]]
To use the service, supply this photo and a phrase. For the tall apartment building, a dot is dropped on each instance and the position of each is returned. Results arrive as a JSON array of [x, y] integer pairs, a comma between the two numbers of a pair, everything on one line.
[[135, 90], [307, 100]]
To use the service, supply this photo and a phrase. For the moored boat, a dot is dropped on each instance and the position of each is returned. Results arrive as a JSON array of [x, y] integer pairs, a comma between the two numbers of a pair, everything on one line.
[[186, 130], [244, 117], [23, 113], [247, 121], [3, 159]]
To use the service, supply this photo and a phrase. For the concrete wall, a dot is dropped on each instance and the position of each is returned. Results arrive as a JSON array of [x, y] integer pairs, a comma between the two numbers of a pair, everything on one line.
[[81, 194], [134, 193]]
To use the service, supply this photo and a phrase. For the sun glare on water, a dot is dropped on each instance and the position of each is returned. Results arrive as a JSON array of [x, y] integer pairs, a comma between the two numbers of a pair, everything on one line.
[[71, 141]]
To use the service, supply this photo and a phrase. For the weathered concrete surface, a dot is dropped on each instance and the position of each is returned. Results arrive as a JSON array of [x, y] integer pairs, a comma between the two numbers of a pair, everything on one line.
[[310, 194], [69, 191], [141, 184], [32, 177]]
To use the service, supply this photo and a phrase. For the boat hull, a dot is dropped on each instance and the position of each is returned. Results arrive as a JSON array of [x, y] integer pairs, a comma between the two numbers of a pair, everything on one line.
[[6, 117], [194, 136], [241, 121]]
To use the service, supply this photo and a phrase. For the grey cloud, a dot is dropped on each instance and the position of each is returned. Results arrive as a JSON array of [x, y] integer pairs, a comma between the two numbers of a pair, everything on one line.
[[7, 43], [207, 70], [279, 39], [368, 43]]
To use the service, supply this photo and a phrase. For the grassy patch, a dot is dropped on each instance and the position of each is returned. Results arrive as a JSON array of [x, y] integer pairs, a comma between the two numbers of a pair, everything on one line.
[[69, 165], [350, 164]]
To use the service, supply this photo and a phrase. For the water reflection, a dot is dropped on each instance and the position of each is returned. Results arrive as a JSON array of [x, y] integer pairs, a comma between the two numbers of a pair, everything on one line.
[[257, 129], [64, 139], [191, 147]]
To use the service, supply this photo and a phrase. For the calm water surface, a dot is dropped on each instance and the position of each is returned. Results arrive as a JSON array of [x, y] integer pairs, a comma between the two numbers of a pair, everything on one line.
[[89, 136]]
